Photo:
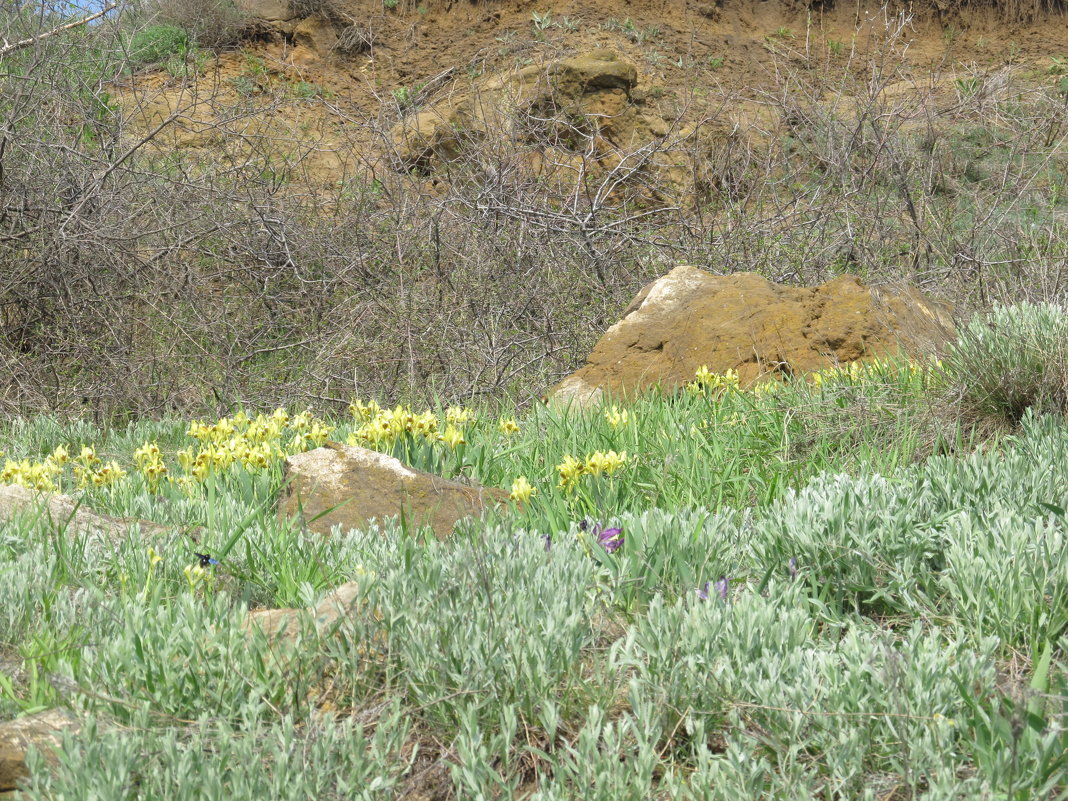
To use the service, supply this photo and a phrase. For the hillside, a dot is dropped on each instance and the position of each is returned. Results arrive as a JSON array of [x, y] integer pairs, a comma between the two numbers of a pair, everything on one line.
[[506, 401], [288, 202], [735, 67]]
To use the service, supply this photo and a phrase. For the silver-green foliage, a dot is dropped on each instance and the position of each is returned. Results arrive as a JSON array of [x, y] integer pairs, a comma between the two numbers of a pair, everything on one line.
[[185, 658], [218, 762], [1013, 358], [865, 543], [862, 646], [486, 623]]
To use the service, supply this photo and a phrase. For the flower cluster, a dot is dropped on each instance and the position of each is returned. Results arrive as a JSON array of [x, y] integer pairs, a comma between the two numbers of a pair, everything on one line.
[[616, 417], [459, 415], [252, 443], [32, 475], [88, 470], [571, 470], [706, 382], [856, 371], [840, 373], [149, 459], [767, 387], [383, 427], [522, 490], [46, 475], [720, 588]]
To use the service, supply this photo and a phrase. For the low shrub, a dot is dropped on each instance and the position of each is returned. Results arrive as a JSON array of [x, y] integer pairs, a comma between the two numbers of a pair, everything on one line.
[[1011, 359], [213, 24], [158, 43]]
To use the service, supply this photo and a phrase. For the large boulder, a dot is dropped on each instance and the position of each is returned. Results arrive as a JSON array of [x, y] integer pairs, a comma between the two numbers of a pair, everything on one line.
[[43, 731], [348, 486], [743, 322]]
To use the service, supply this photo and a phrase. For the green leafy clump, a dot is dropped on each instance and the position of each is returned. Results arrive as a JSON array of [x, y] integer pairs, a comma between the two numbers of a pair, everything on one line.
[[156, 44]]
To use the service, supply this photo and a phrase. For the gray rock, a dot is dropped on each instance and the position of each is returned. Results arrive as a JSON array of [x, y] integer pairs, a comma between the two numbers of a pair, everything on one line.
[[64, 511]]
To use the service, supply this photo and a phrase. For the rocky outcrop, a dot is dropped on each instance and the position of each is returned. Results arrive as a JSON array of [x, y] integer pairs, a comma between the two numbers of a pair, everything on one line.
[[65, 512], [317, 34], [743, 322], [580, 104], [276, 11], [348, 486], [313, 26], [43, 731]]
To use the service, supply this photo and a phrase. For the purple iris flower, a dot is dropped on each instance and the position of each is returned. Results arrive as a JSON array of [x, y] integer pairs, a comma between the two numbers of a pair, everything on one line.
[[611, 539], [722, 586], [792, 567], [548, 541]]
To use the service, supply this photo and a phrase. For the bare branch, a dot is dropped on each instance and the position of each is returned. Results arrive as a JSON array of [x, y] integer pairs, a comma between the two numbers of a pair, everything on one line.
[[7, 49]]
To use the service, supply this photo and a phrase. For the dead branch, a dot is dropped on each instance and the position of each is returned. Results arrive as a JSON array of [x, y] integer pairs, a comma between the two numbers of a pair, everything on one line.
[[24, 43]]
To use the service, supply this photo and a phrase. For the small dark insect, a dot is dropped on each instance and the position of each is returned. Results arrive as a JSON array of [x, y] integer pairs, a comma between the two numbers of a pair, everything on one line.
[[205, 559]]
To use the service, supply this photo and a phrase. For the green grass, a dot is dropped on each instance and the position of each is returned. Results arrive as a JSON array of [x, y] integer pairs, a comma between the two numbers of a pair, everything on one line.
[[158, 43], [895, 615]]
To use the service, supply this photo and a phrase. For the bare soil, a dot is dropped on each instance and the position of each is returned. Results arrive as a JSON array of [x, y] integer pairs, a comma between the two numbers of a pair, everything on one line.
[[291, 84]]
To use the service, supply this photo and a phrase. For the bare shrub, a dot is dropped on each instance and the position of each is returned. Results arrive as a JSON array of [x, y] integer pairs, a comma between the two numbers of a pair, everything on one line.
[[310, 8], [213, 24], [939, 181], [354, 39]]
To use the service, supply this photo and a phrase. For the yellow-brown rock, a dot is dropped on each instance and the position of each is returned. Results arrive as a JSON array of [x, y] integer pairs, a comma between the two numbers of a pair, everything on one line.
[[347, 486], [43, 731], [743, 322], [563, 104], [286, 625]]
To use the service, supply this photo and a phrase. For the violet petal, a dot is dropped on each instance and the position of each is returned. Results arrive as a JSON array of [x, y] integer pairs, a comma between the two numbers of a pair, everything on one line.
[[722, 587], [611, 539]]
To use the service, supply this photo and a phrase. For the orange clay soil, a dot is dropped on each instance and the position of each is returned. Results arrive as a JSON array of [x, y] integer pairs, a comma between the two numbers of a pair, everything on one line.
[[673, 43], [327, 111]]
